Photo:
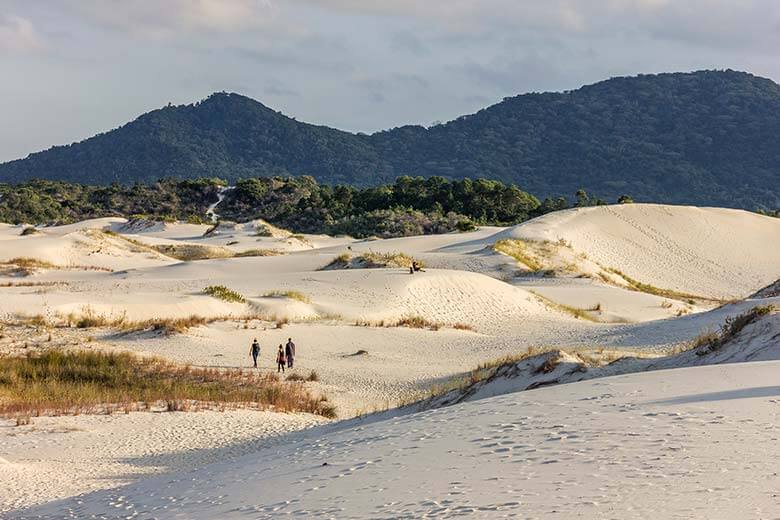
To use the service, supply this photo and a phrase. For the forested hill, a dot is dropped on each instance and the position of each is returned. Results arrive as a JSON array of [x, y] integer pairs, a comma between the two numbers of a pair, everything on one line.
[[707, 138]]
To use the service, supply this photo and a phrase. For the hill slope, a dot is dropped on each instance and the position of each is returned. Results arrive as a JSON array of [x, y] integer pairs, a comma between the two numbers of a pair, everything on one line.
[[708, 137]]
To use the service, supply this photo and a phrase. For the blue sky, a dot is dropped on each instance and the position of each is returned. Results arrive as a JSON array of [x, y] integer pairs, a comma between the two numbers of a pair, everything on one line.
[[74, 68]]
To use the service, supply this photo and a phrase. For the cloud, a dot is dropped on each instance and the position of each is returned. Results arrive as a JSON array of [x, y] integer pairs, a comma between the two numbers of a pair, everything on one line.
[[18, 34], [171, 18]]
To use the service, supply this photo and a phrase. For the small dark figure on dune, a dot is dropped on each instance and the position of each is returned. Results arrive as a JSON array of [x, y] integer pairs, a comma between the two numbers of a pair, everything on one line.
[[254, 351], [289, 351], [281, 360], [415, 267]]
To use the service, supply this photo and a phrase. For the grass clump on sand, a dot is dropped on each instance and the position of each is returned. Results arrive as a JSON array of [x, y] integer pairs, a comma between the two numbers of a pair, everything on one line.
[[710, 341], [190, 252], [56, 382], [585, 314], [638, 286], [415, 322], [223, 293], [373, 260], [259, 252], [518, 250], [167, 326], [29, 230], [312, 377], [293, 295]]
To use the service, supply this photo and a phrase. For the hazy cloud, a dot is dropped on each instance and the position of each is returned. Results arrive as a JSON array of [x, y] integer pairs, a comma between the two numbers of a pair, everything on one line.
[[18, 34]]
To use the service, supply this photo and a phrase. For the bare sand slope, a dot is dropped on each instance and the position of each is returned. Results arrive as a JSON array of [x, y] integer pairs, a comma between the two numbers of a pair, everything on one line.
[[714, 252], [659, 444]]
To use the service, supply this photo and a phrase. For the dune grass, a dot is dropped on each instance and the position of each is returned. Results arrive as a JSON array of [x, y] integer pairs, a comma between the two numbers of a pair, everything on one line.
[[223, 293], [710, 341], [259, 252], [518, 250], [636, 285], [415, 322], [373, 260], [584, 314], [293, 295], [56, 382], [190, 252]]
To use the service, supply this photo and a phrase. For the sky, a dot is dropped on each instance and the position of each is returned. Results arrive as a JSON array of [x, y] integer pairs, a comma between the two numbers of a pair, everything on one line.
[[74, 68]]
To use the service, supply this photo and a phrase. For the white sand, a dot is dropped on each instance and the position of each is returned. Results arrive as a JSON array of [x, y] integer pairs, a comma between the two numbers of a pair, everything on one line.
[[687, 443], [466, 282]]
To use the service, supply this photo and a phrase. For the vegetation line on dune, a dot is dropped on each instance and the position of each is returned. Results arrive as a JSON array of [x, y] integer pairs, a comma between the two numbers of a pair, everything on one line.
[[73, 382]]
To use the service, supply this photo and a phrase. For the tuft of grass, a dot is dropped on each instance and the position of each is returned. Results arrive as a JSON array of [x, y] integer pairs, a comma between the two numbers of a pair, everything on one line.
[[223, 293], [518, 250], [373, 260], [29, 230], [584, 314], [167, 326], [293, 295], [636, 285], [417, 322], [259, 252], [191, 252], [24, 262], [56, 382], [312, 377], [710, 341], [463, 326]]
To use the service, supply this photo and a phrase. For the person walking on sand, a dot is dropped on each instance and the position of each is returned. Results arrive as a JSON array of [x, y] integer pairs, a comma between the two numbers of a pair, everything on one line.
[[254, 351], [280, 359], [289, 351]]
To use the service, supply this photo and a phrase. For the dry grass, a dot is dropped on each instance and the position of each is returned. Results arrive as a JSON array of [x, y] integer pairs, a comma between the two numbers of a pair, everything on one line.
[[223, 293], [710, 341], [259, 252], [578, 313], [191, 252], [518, 250], [56, 382], [373, 260], [168, 326], [25, 266], [414, 322], [293, 295], [312, 377], [29, 230], [636, 285]]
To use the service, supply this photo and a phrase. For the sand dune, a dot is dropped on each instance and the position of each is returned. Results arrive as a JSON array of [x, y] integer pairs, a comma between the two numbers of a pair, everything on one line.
[[714, 252], [335, 314]]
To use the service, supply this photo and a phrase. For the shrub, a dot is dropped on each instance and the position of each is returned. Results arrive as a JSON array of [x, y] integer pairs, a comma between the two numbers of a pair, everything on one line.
[[223, 293], [710, 341], [29, 230], [293, 295]]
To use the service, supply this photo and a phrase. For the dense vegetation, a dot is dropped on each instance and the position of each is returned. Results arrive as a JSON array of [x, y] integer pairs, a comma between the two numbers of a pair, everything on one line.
[[46, 202], [707, 137], [410, 206]]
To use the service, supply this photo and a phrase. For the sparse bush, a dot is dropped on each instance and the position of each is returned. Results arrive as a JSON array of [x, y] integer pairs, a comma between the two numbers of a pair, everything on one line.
[[223, 293], [710, 341], [518, 250], [293, 295], [29, 230], [259, 252]]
